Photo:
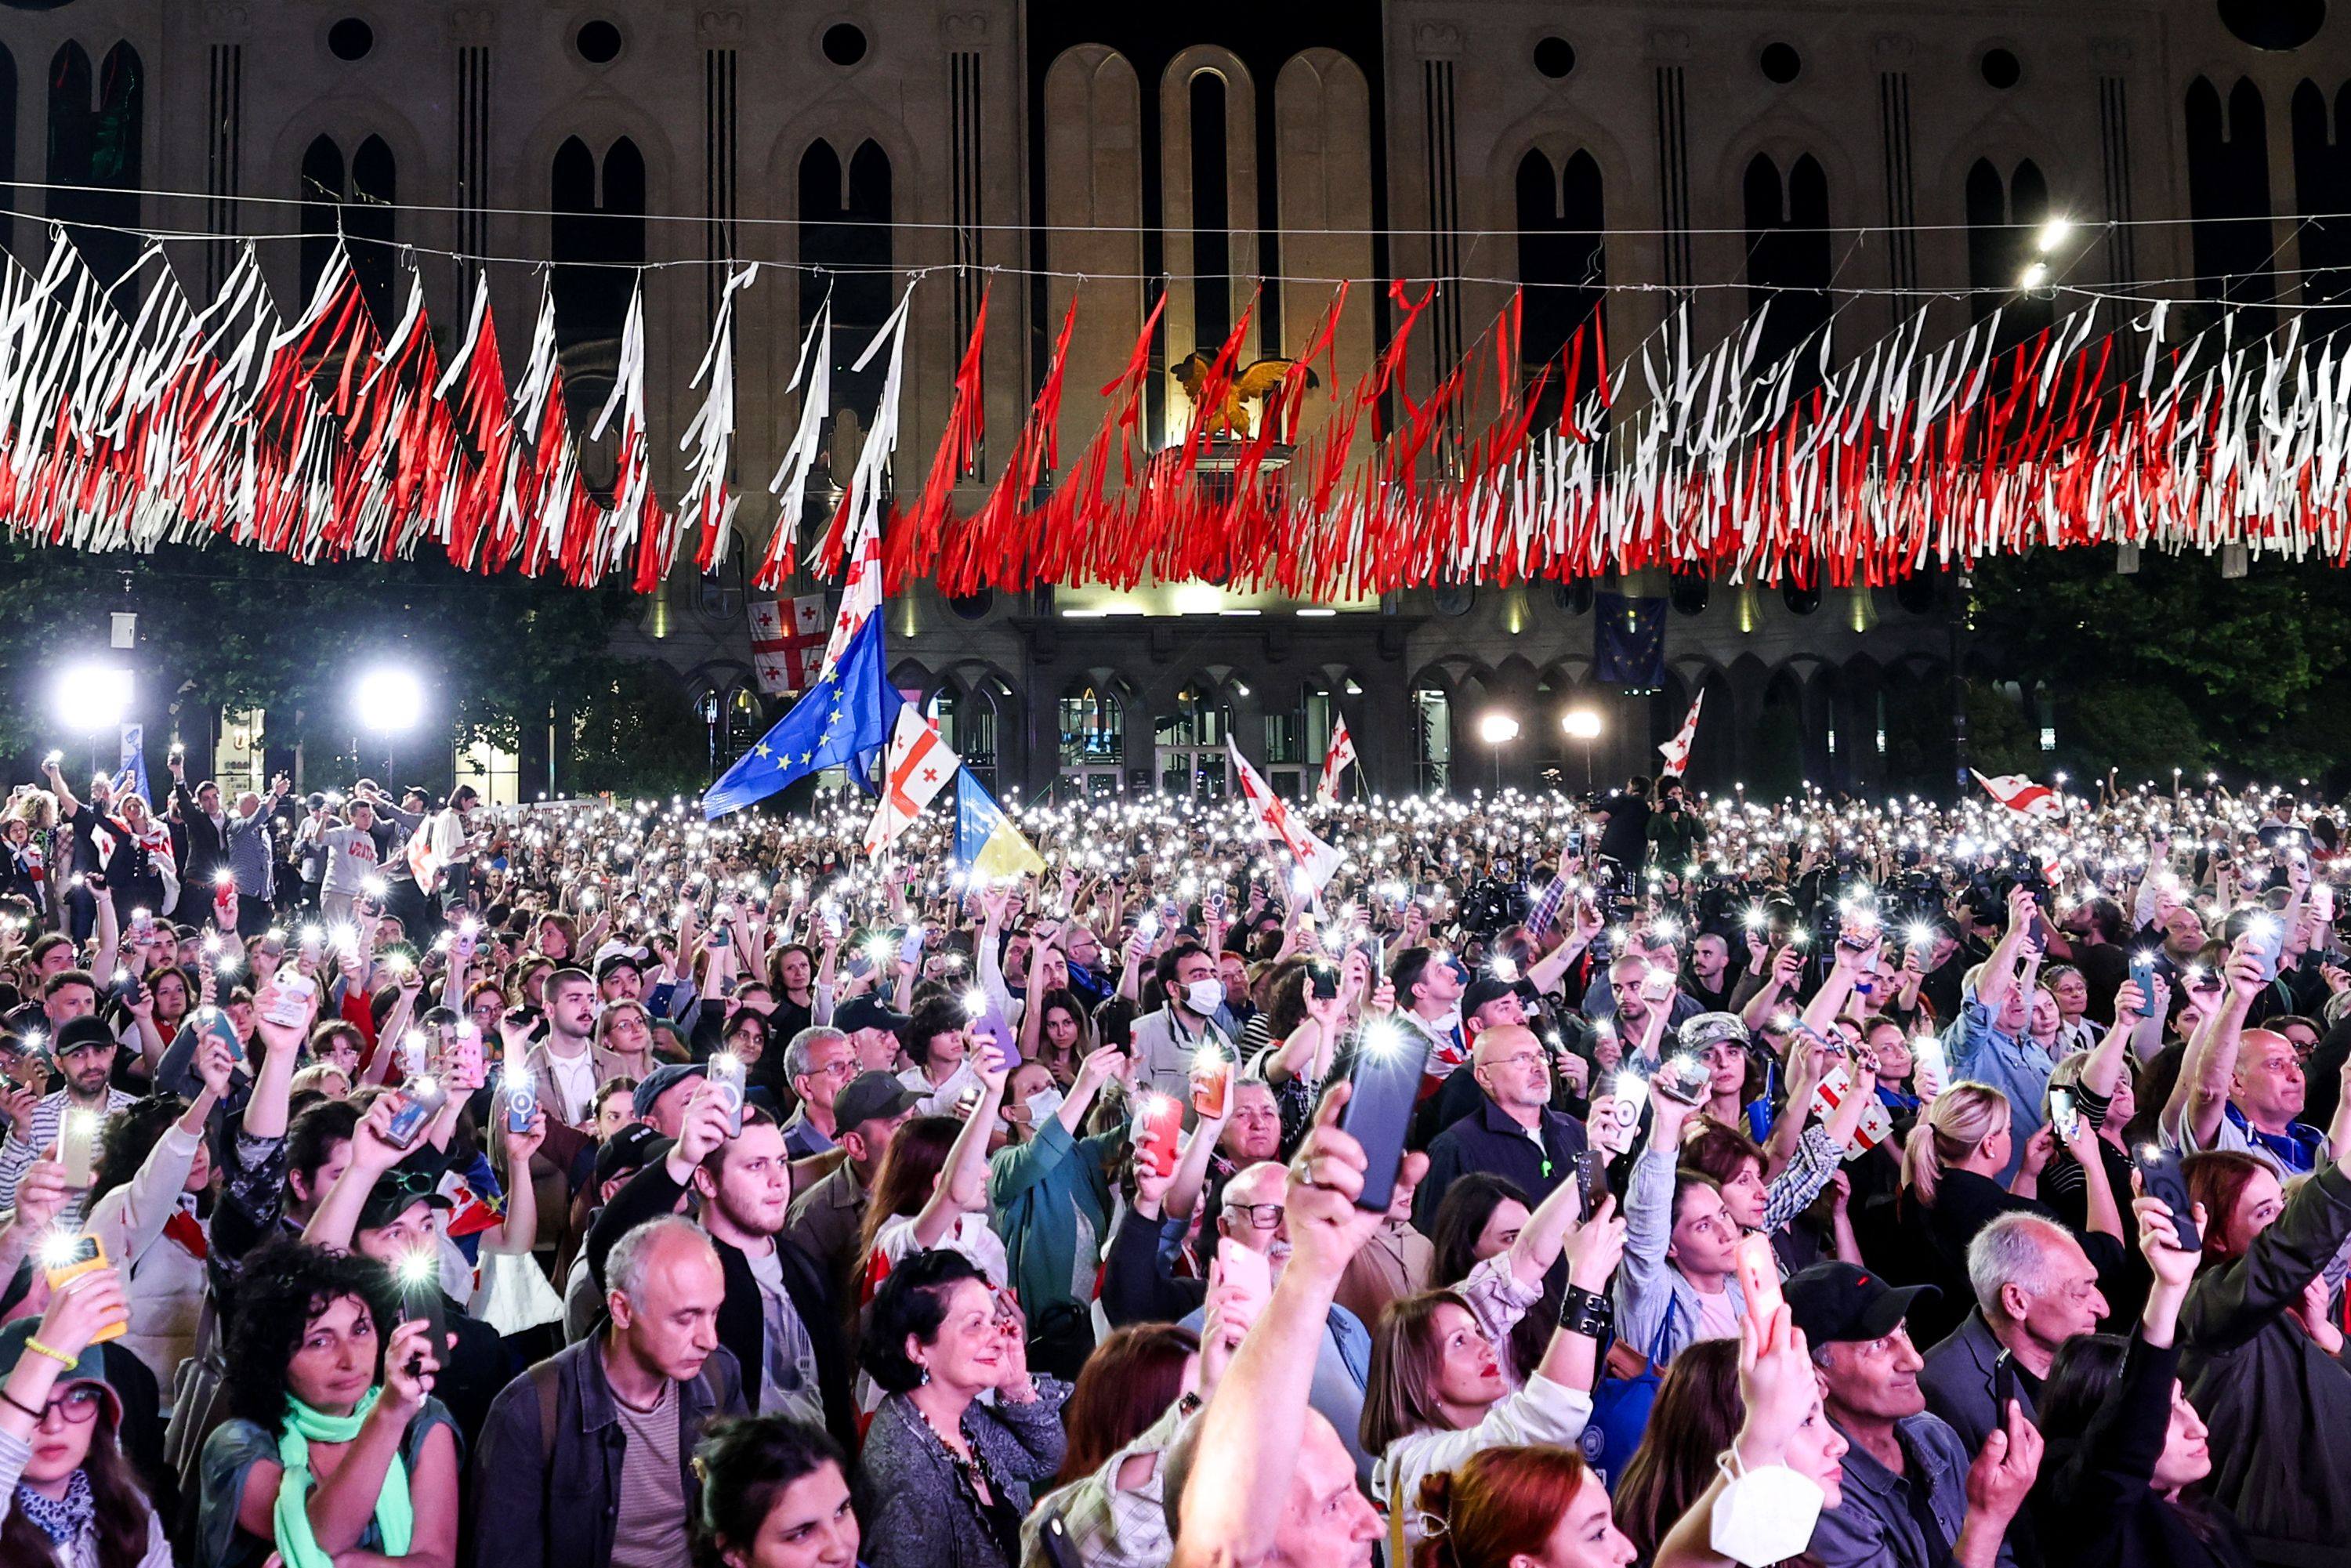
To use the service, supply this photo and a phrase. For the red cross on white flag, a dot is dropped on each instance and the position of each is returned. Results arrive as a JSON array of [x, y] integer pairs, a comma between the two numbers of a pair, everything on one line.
[[861, 596], [1676, 750], [1334, 762], [918, 767], [788, 637], [2022, 796], [1315, 858]]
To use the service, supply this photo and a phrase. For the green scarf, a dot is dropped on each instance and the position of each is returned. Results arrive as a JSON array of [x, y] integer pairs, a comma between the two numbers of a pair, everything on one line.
[[394, 1517]]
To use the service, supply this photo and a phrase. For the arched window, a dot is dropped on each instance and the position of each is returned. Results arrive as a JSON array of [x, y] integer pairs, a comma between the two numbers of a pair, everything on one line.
[[1561, 263], [1092, 724], [845, 225], [359, 207], [95, 126], [2322, 181], [598, 238], [1190, 743], [2004, 220], [1787, 258], [2229, 194]]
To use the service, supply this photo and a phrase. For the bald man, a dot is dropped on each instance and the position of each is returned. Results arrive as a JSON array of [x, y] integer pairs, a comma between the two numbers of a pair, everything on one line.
[[655, 1376], [1514, 1132]]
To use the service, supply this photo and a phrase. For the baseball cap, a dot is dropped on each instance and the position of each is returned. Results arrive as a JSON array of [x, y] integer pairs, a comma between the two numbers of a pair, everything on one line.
[[89, 1368], [633, 1148], [394, 1192], [871, 1097], [866, 1012], [1483, 990], [1835, 1301], [661, 1081], [1710, 1029], [81, 1034]]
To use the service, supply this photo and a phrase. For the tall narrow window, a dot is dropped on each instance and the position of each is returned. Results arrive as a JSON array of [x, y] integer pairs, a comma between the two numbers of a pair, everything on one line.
[[1212, 244], [95, 124], [2229, 194], [2322, 179], [1788, 256], [2004, 221], [358, 206], [1560, 262], [845, 226], [7, 145], [598, 240]]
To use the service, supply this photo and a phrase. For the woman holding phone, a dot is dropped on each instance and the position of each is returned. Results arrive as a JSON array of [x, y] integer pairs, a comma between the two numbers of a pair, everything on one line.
[[67, 1494], [334, 1442], [1436, 1393]]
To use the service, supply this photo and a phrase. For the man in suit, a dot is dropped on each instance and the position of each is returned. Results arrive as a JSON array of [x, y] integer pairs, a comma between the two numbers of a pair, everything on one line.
[[2035, 1290]]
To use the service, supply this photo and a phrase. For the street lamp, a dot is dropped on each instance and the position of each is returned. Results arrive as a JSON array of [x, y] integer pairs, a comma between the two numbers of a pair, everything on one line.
[[387, 701], [1583, 724], [91, 699], [1498, 729]]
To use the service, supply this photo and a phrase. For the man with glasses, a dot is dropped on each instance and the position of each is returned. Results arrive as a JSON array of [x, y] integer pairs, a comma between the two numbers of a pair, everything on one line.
[[1910, 1497], [1252, 1216], [819, 1062], [1512, 1133]]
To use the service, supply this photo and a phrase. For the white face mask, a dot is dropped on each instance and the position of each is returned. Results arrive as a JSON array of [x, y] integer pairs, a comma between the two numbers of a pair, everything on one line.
[[1041, 1106], [1766, 1514], [1204, 997]]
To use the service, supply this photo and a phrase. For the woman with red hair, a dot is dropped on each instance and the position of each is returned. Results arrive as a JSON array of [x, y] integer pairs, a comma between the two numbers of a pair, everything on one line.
[[1520, 1507]]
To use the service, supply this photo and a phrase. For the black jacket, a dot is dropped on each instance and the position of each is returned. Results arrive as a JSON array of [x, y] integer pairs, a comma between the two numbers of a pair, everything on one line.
[[201, 850], [742, 1321], [1490, 1141], [2276, 1402], [557, 1498], [2093, 1506]]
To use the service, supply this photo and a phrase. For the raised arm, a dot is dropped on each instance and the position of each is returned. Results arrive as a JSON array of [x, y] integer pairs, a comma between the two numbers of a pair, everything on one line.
[[961, 1186], [2201, 1094], [1999, 970]]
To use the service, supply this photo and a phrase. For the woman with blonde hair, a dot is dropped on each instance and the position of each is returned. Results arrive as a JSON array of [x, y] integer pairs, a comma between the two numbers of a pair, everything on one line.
[[1950, 1170]]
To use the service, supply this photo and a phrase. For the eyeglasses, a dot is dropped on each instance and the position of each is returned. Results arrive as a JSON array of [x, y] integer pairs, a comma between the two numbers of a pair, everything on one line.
[[77, 1406], [1520, 1060], [1260, 1216]]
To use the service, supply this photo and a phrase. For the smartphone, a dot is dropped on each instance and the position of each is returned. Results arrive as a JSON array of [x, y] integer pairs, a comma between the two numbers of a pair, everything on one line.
[[2004, 1384], [2142, 974], [1212, 1077], [1374, 950], [1060, 1551], [912, 948], [1759, 1274], [461, 1058], [2159, 1174], [68, 1256], [1683, 1078], [1245, 1270], [421, 1300], [1591, 1180], [420, 1102], [1386, 1085], [2063, 1118], [2322, 903], [1323, 980], [1158, 1118], [2268, 934], [725, 1078], [289, 990], [78, 1135], [1656, 985]]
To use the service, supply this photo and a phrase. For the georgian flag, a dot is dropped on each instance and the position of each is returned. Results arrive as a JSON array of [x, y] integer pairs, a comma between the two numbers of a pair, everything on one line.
[[1314, 857], [1335, 762], [918, 767], [1676, 750], [2021, 795]]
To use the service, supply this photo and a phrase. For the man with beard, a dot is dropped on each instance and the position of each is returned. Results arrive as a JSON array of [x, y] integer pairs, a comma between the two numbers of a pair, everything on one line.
[[778, 1319], [83, 1048]]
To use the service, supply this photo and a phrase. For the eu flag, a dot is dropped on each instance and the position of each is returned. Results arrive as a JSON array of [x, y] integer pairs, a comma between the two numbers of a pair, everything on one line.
[[844, 716], [1629, 641]]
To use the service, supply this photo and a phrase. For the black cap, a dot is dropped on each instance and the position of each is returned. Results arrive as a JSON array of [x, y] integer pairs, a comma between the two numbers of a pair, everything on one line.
[[623, 959], [80, 1034], [1483, 990], [393, 1193], [1832, 1302], [633, 1148], [871, 1097], [866, 1012]]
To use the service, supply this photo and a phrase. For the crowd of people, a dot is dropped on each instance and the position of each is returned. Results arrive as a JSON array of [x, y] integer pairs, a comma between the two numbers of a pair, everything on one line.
[[1638, 1178]]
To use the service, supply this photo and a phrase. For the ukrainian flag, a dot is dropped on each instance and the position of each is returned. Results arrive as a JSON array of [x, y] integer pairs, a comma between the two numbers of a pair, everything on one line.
[[985, 840]]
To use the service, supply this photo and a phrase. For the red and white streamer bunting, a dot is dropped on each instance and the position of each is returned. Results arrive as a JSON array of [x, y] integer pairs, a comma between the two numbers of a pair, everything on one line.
[[323, 436]]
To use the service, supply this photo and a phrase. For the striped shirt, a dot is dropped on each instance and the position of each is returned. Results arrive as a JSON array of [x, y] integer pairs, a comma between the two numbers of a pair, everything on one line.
[[23, 1146]]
